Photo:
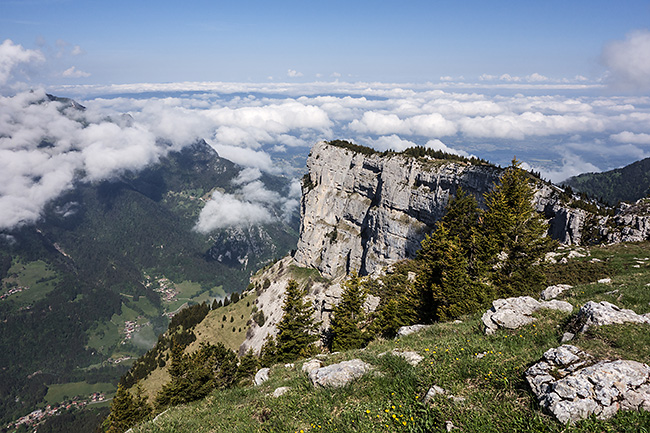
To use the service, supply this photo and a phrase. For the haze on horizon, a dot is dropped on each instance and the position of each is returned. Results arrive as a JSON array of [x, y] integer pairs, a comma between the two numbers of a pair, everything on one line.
[[564, 86]]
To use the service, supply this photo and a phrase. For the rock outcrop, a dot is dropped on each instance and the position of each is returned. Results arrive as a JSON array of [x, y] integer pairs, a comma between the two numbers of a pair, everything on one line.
[[552, 292], [338, 375], [569, 384], [363, 211], [513, 313], [437, 390], [408, 330], [604, 313]]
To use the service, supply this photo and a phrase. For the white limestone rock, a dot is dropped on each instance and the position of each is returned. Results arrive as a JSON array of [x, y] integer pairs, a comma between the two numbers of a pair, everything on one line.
[[408, 330], [411, 357], [338, 375], [552, 292], [604, 313], [280, 391], [512, 313], [437, 390], [311, 365], [261, 376], [363, 212], [569, 384]]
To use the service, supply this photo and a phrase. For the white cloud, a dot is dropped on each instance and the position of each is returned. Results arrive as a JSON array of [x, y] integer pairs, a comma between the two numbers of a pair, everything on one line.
[[530, 124], [488, 77], [439, 145], [628, 61], [32, 174], [295, 189], [246, 157], [535, 77], [256, 192], [293, 73], [12, 55], [584, 131], [226, 210], [247, 175], [110, 150], [73, 72], [428, 125], [252, 203], [631, 137], [76, 50], [571, 165], [390, 142], [508, 77]]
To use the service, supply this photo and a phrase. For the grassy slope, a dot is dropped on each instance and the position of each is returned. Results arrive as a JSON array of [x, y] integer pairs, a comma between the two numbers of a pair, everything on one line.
[[497, 397], [210, 330]]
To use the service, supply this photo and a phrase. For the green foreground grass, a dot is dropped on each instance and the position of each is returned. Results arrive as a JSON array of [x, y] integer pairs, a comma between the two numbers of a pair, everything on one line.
[[496, 395]]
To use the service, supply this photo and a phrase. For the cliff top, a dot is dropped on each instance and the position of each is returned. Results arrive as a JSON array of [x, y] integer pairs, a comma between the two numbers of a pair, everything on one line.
[[413, 152]]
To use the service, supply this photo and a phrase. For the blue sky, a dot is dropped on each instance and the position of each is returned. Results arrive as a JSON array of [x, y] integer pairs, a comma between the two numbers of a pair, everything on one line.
[[389, 41]]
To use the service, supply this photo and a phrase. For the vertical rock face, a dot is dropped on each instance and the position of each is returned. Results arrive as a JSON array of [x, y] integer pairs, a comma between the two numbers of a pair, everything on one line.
[[362, 212]]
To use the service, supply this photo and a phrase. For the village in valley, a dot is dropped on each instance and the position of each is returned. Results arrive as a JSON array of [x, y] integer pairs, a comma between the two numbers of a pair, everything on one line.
[[36, 417]]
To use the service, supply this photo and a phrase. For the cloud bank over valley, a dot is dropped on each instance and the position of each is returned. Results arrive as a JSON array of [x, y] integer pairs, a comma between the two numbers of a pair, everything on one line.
[[557, 127]]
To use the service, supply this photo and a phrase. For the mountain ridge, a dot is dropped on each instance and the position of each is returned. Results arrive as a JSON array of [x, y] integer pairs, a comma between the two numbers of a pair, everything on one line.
[[629, 183]]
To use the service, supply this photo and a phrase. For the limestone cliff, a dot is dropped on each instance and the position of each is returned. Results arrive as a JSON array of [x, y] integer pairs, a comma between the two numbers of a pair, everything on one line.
[[363, 211]]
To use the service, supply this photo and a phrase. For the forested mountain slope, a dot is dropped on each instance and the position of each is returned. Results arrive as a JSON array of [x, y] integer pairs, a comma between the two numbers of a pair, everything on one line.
[[629, 183], [92, 282]]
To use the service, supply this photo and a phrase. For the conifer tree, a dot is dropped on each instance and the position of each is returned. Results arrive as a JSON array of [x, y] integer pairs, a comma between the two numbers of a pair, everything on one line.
[[195, 375], [514, 235], [444, 286], [126, 410], [248, 366], [347, 316], [461, 217], [296, 329], [269, 351]]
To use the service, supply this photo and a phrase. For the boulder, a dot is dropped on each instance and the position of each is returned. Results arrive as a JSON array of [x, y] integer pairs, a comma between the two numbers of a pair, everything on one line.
[[338, 375], [408, 330], [572, 386], [261, 376], [552, 292], [513, 313], [604, 313], [280, 391], [371, 303]]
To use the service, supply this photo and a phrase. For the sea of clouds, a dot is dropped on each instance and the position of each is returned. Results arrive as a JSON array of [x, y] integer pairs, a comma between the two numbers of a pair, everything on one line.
[[560, 128]]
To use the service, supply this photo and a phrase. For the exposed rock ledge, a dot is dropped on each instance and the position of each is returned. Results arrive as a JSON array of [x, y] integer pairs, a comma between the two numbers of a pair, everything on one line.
[[513, 313], [569, 384], [604, 313]]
